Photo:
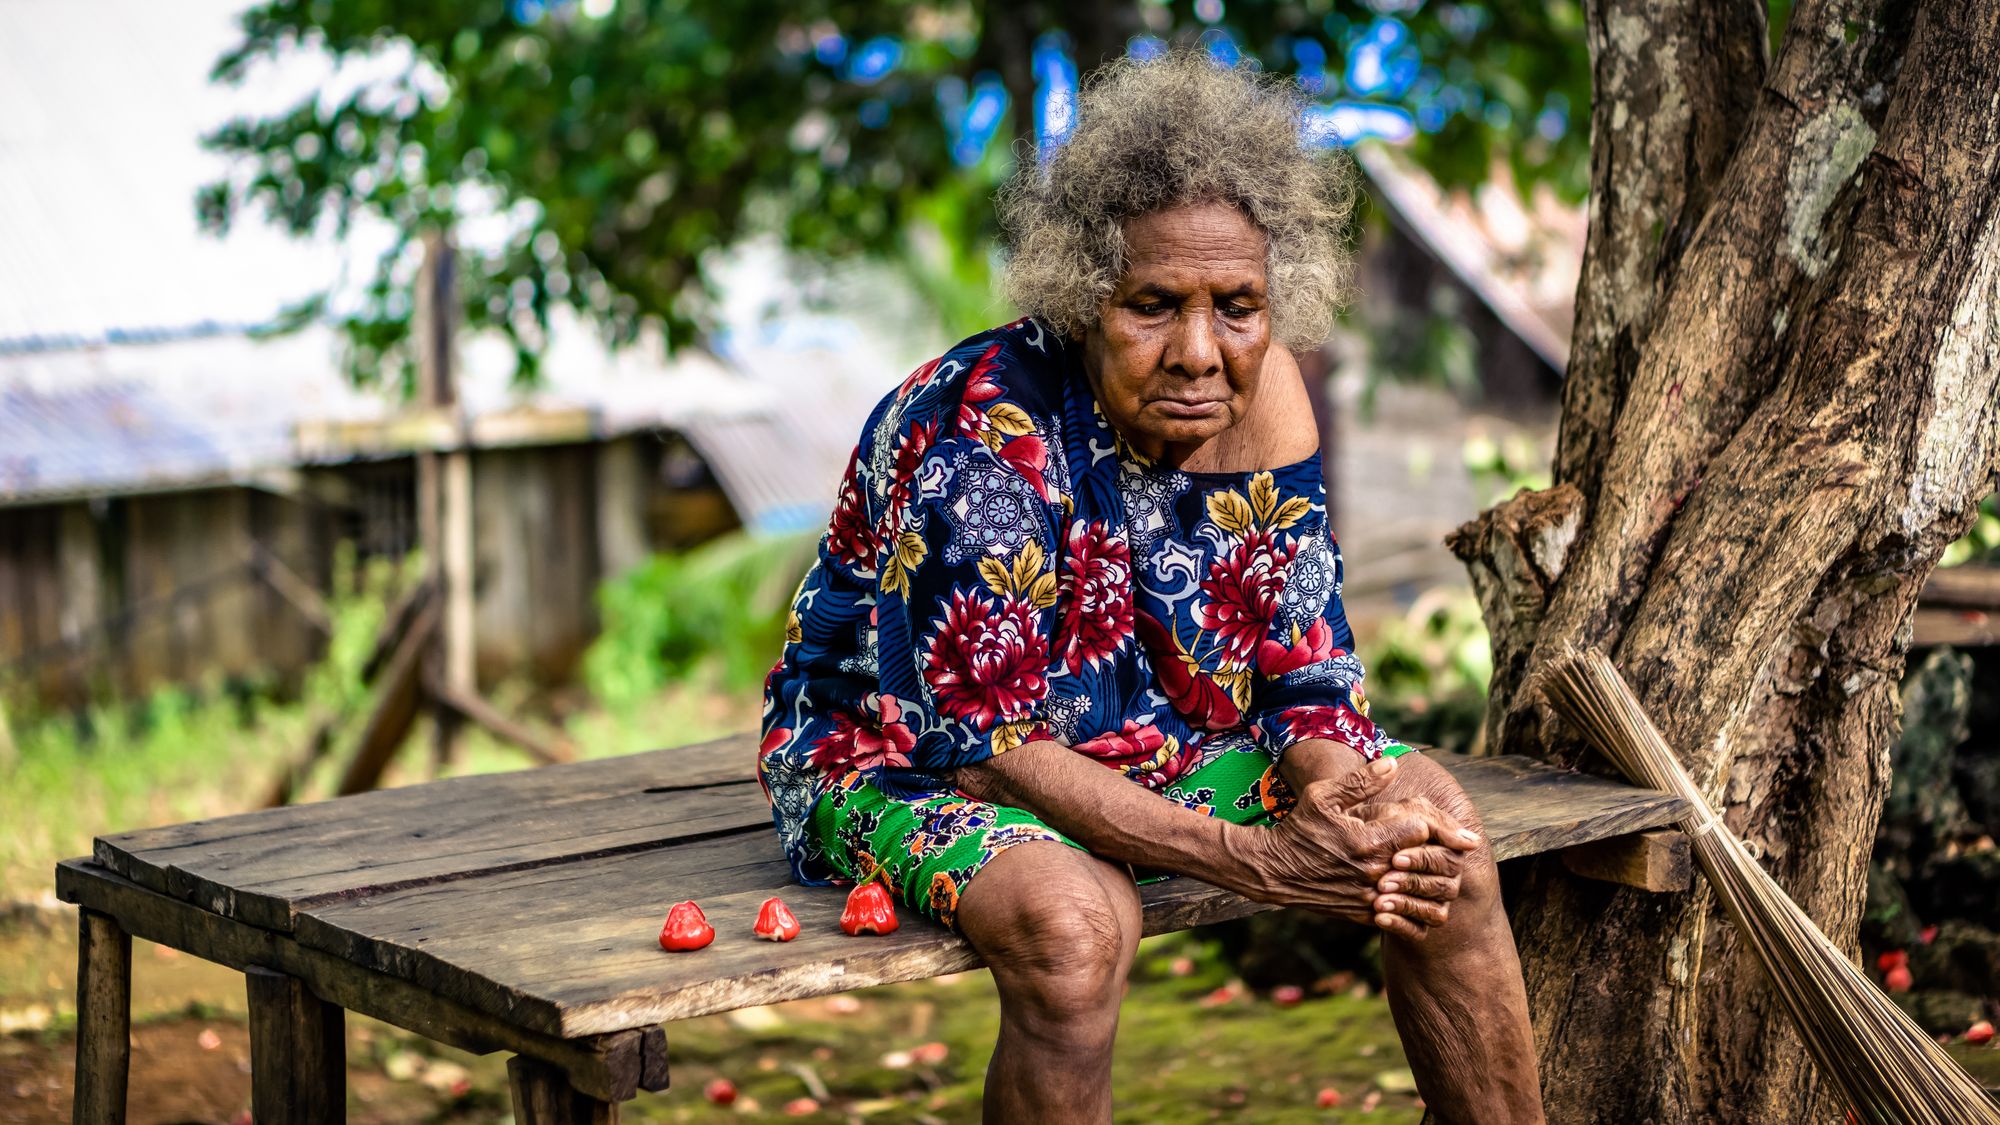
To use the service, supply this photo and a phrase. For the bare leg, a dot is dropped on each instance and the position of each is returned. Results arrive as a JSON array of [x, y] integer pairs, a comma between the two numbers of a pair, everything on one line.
[[1457, 995], [1059, 929]]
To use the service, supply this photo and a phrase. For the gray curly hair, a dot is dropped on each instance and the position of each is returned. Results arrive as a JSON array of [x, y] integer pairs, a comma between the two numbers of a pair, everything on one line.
[[1180, 129]]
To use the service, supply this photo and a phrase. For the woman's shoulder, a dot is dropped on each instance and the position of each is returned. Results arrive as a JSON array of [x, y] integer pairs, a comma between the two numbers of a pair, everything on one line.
[[1020, 363], [989, 388], [993, 403]]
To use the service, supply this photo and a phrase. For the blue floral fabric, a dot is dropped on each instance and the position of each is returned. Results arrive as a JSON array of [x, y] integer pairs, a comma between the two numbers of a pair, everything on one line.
[[1001, 568]]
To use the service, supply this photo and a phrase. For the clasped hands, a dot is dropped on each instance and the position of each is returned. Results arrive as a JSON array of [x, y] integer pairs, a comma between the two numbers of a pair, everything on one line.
[[1394, 864]]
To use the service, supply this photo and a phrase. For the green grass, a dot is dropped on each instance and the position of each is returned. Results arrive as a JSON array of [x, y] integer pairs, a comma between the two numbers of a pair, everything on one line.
[[186, 754]]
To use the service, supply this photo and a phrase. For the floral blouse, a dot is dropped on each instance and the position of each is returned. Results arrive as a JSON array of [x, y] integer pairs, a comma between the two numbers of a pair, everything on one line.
[[1001, 567]]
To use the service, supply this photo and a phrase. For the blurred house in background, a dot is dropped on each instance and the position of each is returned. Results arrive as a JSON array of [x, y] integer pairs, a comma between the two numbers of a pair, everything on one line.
[[172, 487]]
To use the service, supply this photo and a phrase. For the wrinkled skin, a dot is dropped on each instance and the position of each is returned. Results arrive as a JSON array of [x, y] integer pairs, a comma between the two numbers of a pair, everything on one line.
[[1183, 366]]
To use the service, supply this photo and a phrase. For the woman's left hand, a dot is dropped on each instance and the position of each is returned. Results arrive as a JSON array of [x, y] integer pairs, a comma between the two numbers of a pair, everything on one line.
[[1423, 881]]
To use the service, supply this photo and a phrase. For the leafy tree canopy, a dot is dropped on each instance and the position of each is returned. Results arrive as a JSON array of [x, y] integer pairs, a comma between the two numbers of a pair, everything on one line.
[[624, 142]]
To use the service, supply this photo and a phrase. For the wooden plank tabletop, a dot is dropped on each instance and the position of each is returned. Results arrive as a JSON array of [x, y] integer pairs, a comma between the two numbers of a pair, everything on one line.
[[261, 867], [537, 896]]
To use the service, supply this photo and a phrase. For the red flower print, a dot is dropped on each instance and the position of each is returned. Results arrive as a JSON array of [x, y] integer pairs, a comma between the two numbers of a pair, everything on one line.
[[850, 538], [1276, 659], [1241, 594], [778, 737], [1200, 700], [1133, 746], [1097, 596], [1029, 455], [912, 446], [868, 741], [1339, 723], [919, 377], [986, 660]]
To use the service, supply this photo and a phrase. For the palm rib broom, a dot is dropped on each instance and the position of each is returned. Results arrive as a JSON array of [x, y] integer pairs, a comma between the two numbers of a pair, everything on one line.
[[1891, 1071]]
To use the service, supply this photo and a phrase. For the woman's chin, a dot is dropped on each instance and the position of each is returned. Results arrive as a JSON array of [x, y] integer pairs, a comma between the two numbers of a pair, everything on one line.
[[1185, 429]]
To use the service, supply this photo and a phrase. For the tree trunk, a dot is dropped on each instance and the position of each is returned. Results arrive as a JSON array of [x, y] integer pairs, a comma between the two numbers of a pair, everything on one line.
[[1780, 407]]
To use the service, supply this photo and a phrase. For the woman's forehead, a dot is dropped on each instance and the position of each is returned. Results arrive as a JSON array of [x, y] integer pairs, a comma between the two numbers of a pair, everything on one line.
[[1206, 230], [1210, 246]]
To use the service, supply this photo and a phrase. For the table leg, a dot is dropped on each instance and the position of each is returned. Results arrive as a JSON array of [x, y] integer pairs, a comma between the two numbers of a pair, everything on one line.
[[544, 1096], [298, 1052], [103, 1019]]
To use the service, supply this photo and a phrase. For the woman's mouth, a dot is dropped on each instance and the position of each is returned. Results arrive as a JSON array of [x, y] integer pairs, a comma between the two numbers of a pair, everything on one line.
[[1185, 408]]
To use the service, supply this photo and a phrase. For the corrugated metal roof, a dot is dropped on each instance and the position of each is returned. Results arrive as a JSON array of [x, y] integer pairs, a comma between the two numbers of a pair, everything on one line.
[[193, 411], [124, 360], [1521, 259]]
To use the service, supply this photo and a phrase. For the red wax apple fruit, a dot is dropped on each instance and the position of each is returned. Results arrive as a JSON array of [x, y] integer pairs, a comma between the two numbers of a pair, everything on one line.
[[720, 1091], [687, 928], [869, 910], [1897, 979], [775, 921], [1978, 1033]]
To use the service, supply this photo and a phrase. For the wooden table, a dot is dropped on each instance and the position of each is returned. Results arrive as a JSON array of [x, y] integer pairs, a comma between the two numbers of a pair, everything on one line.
[[520, 912]]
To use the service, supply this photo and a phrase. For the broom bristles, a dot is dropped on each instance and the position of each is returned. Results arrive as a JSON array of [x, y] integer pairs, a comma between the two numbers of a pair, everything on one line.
[[1889, 1068]]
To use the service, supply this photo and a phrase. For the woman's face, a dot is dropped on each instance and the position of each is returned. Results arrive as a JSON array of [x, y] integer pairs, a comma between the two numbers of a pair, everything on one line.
[[1175, 352]]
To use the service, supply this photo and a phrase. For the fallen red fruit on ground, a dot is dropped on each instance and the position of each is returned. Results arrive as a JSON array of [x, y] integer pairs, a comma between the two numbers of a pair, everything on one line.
[[1897, 979], [1981, 1032], [869, 910], [721, 1091], [1287, 995], [1328, 1098], [799, 1107], [687, 928], [930, 1054], [775, 921], [1220, 996]]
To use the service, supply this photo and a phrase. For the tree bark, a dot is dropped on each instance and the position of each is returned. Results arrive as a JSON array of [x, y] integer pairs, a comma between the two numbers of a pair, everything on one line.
[[1781, 406]]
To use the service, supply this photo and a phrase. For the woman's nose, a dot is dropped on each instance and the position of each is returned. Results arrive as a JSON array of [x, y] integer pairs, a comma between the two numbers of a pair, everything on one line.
[[1194, 351]]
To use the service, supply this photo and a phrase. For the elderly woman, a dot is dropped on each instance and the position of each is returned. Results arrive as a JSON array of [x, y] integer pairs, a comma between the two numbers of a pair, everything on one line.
[[1077, 617]]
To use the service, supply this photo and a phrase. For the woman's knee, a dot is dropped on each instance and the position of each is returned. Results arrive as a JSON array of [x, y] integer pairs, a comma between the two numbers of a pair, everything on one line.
[[1479, 875], [1058, 931]]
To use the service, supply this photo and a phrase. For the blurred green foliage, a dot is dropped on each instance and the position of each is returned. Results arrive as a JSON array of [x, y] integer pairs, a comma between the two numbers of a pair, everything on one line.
[[626, 142], [716, 610], [1428, 671], [1501, 468], [1982, 543]]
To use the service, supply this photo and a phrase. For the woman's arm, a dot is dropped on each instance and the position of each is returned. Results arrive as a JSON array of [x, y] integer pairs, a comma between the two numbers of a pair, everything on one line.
[[1318, 856]]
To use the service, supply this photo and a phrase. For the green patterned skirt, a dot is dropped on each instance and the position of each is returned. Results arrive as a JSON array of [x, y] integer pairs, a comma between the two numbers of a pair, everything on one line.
[[932, 847]]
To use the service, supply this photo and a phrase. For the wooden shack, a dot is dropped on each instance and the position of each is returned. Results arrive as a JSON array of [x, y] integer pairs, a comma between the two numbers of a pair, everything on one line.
[[159, 530]]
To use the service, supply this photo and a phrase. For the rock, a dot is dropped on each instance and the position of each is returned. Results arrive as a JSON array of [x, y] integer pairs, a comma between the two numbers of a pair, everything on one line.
[[1940, 1011], [1963, 884], [1888, 921], [1963, 955], [1923, 808]]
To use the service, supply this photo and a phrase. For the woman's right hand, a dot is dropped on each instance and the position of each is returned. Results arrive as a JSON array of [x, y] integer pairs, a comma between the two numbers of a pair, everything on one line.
[[1323, 857]]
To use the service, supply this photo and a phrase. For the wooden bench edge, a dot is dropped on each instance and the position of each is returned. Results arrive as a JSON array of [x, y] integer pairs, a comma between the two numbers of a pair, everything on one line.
[[611, 1066]]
